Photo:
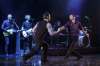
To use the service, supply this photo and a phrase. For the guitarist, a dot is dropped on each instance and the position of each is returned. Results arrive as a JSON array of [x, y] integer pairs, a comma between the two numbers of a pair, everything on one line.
[[8, 26], [27, 33]]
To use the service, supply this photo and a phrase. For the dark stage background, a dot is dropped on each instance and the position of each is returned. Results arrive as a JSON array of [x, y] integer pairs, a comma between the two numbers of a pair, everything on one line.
[[59, 10]]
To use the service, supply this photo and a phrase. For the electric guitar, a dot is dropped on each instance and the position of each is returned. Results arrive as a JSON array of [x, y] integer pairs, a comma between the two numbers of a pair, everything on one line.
[[10, 32], [27, 33]]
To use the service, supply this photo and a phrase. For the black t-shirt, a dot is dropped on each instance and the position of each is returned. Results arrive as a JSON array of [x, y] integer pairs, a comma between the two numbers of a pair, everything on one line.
[[8, 24], [41, 30], [73, 28], [28, 24]]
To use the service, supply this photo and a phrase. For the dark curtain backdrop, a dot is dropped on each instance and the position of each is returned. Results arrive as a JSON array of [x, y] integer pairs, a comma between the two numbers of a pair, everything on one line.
[[57, 8]]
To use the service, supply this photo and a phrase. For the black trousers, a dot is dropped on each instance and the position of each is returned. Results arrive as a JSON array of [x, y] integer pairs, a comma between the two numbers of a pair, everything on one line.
[[73, 40], [27, 43], [40, 45], [10, 43]]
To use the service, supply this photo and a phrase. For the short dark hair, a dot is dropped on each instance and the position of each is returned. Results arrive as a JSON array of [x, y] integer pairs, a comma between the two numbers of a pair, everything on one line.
[[72, 14], [45, 15]]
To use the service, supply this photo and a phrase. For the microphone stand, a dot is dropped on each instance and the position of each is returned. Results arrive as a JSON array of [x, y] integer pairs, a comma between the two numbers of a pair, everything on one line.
[[18, 51], [15, 24]]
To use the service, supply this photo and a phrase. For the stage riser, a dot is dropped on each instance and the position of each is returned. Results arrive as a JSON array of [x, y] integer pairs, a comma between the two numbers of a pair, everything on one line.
[[62, 52]]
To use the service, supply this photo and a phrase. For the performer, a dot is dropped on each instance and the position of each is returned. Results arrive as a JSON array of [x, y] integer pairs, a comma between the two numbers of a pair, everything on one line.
[[9, 27], [73, 28], [27, 33], [39, 31]]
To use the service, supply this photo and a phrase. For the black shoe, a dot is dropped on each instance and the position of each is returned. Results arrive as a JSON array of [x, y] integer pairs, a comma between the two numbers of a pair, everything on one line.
[[28, 56], [66, 56], [79, 58], [44, 61]]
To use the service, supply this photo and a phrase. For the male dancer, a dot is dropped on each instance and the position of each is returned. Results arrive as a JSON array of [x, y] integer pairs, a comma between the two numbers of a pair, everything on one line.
[[73, 28], [39, 31]]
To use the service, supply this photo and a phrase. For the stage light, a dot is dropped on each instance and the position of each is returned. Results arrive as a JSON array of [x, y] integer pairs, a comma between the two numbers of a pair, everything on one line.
[[74, 6]]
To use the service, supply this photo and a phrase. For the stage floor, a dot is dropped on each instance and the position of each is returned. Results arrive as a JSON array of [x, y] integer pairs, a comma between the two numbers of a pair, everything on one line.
[[87, 60]]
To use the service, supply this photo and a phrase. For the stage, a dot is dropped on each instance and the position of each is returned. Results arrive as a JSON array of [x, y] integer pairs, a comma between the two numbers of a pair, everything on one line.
[[87, 60], [56, 57], [70, 22]]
